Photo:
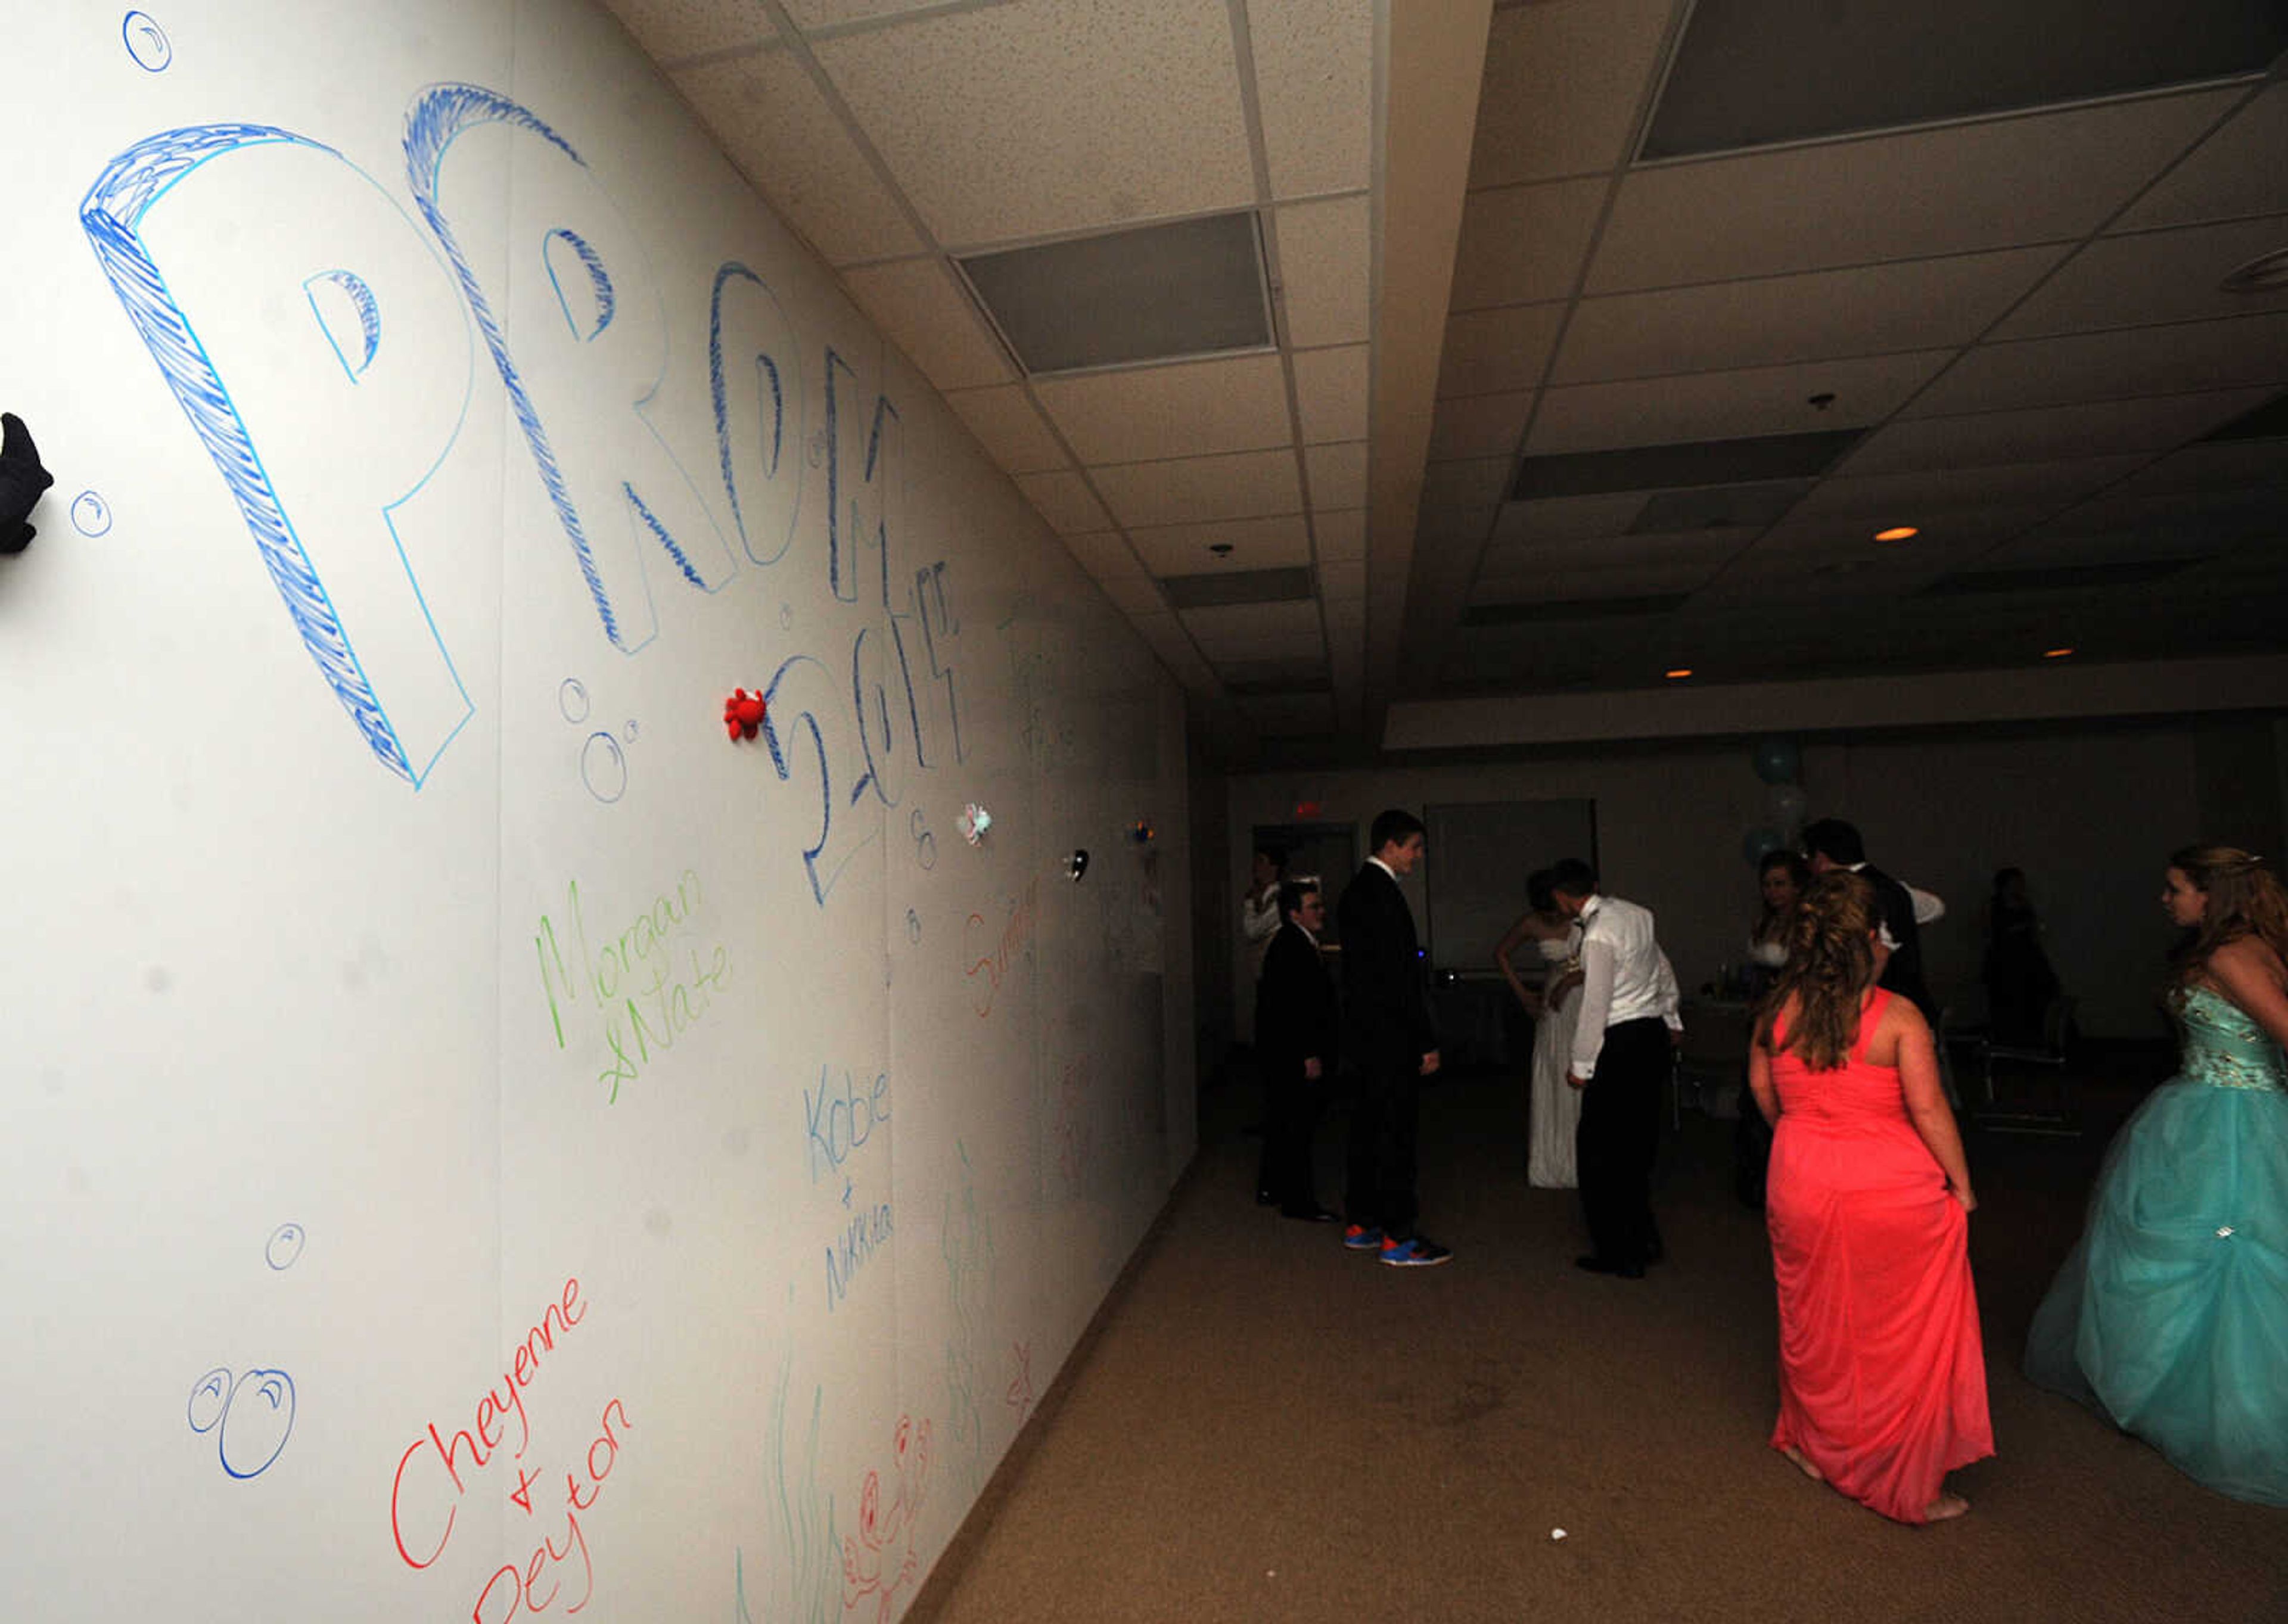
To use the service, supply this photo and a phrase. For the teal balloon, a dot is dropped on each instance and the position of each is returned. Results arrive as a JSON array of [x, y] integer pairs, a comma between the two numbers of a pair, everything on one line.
[[1758, 844], [1778, 760]]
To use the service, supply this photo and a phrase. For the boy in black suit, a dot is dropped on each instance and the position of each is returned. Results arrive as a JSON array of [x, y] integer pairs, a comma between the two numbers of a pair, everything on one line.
[[1389, 1041], [1295, 1034]]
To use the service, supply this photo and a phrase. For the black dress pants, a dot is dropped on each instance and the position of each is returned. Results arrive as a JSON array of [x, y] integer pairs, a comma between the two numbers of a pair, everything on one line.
[[1618, 1137], [1290, 1112], [1379, 1191]]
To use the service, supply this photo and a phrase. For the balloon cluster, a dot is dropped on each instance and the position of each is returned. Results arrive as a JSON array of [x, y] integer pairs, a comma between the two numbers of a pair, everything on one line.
[[1779, 761]]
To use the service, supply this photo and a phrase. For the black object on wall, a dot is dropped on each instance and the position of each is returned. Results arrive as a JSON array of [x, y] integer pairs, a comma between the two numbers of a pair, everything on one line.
[[23, 481]]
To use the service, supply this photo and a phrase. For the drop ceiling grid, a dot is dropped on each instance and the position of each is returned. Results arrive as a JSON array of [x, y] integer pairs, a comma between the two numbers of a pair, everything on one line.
[[2005, 182]]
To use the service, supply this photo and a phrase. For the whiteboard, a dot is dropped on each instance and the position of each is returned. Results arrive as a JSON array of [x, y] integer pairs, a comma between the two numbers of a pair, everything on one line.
[[1480, 853], [488, 1140]]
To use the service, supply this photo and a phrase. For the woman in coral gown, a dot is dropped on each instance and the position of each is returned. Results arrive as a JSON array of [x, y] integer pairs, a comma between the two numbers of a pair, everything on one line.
[[2170, 1316], [1882, 1376]]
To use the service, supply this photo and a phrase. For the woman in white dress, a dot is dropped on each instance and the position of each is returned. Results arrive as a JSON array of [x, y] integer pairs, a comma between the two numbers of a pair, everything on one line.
[[1553, 1110]]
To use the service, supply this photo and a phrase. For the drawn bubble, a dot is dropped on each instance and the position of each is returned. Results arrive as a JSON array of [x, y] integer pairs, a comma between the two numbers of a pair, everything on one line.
[[257, 1423], [631, 729], [91, 514], [604, 768], [210, 1399], [147, 41], [285, 1246], [572, 699]]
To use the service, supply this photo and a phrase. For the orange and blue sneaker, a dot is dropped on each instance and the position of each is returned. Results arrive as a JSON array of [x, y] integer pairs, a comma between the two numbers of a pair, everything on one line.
[[1413, 1252], [1361, 1237]]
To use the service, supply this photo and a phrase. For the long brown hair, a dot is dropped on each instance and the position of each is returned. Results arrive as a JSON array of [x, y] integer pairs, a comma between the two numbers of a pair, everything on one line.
[[1831, 960], [2245, 898]]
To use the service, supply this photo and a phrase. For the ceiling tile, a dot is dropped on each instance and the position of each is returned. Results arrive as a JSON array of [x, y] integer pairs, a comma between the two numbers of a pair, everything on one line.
[[1340, 578], [2132, 360], [1065, 501], [1255, 543], [1046, 116], [1944, 533], [1341, 534], [1521, 245], [1759, 400], [1344, 616], [1014, 434], [1917, 305], [1953, 190], [2152, 276], [1291, 715], [2161, 422], [1563, 84], [1315, 81], [1136, 594], [1331, 388], [2248, 462], [1466, 487], [1338, 474], [922, 310], [769, 118], [1196, 409], [1566, 518], [1324, 255], [1246, 486], [1491, 351], [2224, 517], [2075, 549], [2236, 172], [1910, 497], [670, 30], [1103, 553], [1479, 425]]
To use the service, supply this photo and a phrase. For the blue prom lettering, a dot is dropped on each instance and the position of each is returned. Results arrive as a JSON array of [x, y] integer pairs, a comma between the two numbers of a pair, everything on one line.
[[612, 480], [352, 411], [864, 482], [754, 429]]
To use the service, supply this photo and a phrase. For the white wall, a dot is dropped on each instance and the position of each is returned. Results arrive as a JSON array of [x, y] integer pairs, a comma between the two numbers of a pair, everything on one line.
[[412, 980], [2089, 811]]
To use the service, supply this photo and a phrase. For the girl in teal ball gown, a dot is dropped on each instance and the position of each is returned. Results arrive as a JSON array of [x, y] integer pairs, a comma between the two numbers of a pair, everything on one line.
[[2171, 1315]]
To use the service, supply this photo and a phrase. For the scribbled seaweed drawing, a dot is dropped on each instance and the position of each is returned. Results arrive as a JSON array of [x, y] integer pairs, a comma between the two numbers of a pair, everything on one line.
[[810, 1591], [966, 1241]]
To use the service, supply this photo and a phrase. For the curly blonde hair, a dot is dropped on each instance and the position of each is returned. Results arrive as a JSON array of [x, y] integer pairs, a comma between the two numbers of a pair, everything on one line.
[[2245, 898], [1830, 961]]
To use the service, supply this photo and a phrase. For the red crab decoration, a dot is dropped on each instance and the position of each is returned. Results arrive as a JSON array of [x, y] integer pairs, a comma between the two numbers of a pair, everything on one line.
[[742, 714]]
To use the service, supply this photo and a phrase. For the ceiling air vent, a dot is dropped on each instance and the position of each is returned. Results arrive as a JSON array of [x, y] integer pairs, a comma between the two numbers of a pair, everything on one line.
[[1570, 609], [1706, 461], [1155, 293], [1244, 586]]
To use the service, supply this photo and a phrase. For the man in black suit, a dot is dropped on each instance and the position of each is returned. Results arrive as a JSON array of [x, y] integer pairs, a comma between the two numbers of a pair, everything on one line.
[[1296, 1028], [1390, 1043], [1832, 843]]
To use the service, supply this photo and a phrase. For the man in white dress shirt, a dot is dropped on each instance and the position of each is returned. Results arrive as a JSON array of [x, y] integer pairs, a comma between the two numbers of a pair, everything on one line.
[[1621, 1058]]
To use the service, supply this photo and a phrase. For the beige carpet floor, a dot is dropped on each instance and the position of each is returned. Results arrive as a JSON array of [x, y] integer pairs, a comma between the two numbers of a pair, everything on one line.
[[1262, 1426]]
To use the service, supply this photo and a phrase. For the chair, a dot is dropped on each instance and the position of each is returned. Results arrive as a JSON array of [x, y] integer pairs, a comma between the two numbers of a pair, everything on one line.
[[2049, 1051]]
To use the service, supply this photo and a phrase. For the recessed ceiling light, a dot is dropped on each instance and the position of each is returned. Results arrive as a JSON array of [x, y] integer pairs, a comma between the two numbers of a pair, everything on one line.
[[1679, 672], [2055, 653], [2265, 273], [1898, 532]]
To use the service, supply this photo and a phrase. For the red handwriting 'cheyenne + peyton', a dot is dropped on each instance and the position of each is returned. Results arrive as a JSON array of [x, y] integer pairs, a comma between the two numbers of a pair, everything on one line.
[[423, 1458], [523, 1591], [1014, 937]]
